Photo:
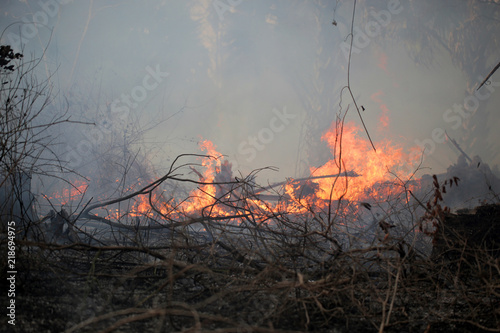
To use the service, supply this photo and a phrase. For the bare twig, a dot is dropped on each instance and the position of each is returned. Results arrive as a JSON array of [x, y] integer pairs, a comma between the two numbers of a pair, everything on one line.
[[489, 75], [349, 77]]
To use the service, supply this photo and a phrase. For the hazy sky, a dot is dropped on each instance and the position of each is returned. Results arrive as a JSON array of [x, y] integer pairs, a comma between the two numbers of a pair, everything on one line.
[[237, 70]]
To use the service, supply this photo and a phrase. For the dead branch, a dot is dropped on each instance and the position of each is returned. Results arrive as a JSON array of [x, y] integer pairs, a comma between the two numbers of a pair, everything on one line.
[[489, 75], [303, 180]]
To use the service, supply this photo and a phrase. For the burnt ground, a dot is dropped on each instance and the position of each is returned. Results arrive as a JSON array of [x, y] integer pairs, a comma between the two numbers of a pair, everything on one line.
[[189, 287]]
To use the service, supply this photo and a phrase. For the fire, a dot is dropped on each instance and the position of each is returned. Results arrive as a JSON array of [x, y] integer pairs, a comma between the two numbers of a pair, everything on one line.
[[205, 195], [140, 206], [73, 192], [366, 169], [356, 173]]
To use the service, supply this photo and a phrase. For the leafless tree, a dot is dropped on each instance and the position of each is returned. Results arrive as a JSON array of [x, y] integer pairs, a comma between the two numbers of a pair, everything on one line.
[[26, 122]]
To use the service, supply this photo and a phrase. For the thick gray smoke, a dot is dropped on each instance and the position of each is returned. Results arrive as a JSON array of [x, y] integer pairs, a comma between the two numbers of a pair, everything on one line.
[[262, 80]]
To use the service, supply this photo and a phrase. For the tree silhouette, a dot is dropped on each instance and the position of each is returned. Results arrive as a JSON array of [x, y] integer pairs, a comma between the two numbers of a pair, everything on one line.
[[25, 139]]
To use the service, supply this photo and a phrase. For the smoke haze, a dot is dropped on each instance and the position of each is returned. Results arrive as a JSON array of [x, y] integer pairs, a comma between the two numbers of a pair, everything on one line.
[[260, 79]]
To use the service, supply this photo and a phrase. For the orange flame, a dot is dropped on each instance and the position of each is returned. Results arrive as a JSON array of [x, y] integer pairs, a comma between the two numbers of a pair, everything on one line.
[[357, 156], [72, 192], [360, 174], [205, 195]]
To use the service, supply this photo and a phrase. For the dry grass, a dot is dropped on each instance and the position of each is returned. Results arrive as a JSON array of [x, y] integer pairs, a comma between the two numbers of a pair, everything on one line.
[[292, 273]]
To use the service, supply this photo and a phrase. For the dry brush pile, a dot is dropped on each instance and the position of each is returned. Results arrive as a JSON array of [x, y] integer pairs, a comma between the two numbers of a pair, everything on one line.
[[263, 270]]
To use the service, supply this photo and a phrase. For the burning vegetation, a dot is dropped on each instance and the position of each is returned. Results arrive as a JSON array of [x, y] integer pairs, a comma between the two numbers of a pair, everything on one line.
[[352, 246], [356, 174], [359, 244]]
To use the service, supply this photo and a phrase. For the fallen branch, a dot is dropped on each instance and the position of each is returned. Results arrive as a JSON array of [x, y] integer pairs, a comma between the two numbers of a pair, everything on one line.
[[171, 225], [303, 180], [458, 147]]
